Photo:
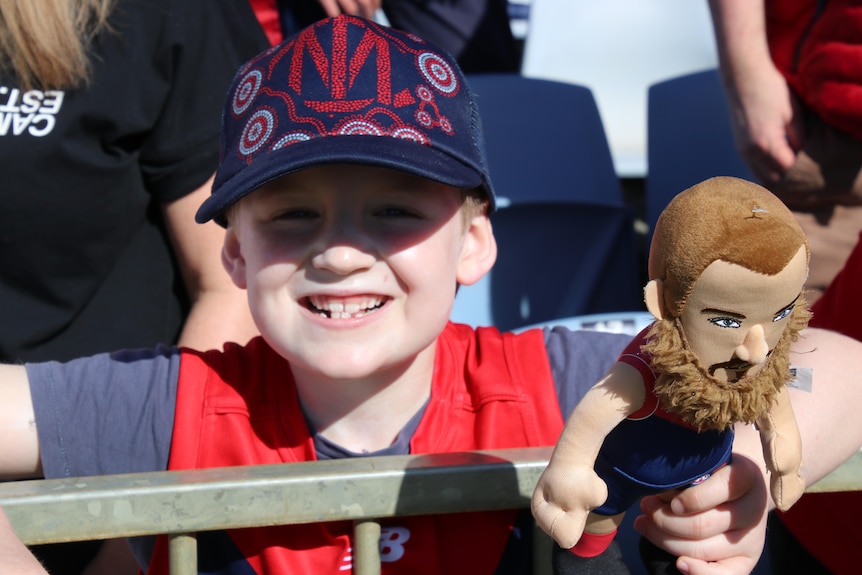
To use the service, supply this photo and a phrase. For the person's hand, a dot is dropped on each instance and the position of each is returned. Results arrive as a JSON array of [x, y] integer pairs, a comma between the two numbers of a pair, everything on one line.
[[364, 8], [563, 498], [767, 122], [715, 528]]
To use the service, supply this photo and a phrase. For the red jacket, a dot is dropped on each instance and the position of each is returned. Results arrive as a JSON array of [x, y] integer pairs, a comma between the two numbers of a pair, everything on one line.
[[817, 45]]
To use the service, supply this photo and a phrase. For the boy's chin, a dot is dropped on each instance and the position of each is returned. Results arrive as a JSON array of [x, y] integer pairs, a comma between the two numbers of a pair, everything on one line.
[[353, 373]]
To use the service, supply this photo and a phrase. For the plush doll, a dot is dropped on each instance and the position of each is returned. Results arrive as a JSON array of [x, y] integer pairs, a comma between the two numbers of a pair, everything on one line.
[[727, 264]]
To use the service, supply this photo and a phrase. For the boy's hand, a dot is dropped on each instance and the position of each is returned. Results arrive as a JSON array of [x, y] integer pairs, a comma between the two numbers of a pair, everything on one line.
[[717, 527], [563, 498]]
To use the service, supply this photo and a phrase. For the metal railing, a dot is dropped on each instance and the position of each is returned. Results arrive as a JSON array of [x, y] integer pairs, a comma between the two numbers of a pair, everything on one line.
[[181, 503]]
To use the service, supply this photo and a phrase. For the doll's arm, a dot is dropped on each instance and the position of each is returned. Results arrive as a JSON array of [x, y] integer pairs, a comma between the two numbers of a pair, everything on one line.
[[569, 487], [782, 450]]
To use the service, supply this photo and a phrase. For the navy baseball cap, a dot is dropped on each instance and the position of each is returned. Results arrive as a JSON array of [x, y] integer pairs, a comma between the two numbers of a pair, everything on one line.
[[348, 90]]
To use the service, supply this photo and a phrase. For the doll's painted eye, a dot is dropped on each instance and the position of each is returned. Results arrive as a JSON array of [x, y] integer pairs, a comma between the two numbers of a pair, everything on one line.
[[784, 313], [725, 322]]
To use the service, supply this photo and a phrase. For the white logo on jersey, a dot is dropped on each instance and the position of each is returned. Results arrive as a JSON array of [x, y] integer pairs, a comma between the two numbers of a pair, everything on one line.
[[347, 561], [392, 540], [32, 112]]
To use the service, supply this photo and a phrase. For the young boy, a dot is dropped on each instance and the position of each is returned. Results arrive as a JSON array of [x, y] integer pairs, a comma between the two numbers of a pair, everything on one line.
[[355, 195]]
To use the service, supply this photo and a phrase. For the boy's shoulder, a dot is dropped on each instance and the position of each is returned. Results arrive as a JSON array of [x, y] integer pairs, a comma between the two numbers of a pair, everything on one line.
[[236, 371], [557, 341]]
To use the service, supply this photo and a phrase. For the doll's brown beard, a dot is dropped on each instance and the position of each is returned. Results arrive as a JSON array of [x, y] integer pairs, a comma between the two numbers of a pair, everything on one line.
[[686, 389]]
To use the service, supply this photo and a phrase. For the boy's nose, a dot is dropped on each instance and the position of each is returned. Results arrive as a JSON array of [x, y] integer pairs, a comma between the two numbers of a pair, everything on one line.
[[754, 347], [342, 259]]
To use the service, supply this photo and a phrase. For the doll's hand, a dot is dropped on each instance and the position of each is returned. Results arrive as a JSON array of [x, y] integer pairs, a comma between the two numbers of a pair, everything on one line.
[[786, 488], [717, 527], [563, 498]]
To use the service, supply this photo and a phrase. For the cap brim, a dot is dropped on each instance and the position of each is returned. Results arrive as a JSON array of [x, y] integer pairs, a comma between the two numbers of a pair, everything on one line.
[[387, 152]]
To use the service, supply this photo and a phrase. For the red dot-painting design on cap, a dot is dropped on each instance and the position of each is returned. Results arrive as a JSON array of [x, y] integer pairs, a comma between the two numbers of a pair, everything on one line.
[[446, 125], [257, 131], [424, 94], [424, 118], [246, 91], [438, 72]]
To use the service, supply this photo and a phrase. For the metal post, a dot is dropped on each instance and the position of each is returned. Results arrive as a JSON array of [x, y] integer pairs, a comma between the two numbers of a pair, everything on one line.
[[183, 550], [366, 547]]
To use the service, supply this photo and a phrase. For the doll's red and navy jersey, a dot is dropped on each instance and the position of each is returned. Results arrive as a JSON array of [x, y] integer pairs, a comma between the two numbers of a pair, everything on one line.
[[651, 451]]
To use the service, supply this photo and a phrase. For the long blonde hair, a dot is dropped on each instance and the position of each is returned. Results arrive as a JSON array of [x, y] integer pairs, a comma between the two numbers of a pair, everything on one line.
[[45, 43]]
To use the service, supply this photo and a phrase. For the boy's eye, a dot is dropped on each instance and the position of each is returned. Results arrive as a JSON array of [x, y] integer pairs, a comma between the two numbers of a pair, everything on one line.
[[296, 214], [784, 313], [396, 212], [725, 322]]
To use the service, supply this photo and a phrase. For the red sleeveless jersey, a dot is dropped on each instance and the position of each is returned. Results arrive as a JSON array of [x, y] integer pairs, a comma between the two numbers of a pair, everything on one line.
[[240, 407]]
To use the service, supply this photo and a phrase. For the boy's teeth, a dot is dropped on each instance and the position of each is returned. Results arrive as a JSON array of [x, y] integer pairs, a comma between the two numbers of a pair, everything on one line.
[[351, 308], [341, 310]]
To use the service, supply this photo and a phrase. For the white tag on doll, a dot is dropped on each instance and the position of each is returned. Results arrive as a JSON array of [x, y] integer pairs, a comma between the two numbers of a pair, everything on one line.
[[802, 378]]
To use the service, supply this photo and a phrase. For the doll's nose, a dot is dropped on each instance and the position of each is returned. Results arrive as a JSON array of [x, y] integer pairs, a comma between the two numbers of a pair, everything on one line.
[[754, 347]]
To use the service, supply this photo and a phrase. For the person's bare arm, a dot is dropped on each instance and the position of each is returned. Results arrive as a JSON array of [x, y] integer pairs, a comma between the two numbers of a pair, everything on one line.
[[764, 113], [219, 311], [823, 413]]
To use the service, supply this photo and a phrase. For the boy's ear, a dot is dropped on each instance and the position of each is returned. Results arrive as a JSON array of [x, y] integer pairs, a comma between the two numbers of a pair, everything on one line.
[[654, 298], [231, 258], [478, 253]]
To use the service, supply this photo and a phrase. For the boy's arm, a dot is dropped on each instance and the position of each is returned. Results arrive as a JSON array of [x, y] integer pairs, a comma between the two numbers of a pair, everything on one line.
[[19, 456], [724, 518], [569, 487], [782, 450]]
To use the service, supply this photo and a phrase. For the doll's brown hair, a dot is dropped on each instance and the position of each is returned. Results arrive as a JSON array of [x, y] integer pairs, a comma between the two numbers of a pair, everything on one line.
[[719, 219]]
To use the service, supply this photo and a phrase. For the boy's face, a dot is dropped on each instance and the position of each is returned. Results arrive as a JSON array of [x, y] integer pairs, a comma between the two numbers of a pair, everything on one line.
[[351, 270], [734, 316]]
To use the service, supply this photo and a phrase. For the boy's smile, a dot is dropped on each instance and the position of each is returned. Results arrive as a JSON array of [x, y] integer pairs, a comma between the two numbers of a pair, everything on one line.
[[351, 270], [344, 308]]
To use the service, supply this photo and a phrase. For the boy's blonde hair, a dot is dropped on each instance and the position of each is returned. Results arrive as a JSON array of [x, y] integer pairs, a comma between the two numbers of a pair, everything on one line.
[[475, 203], [45, 43]]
